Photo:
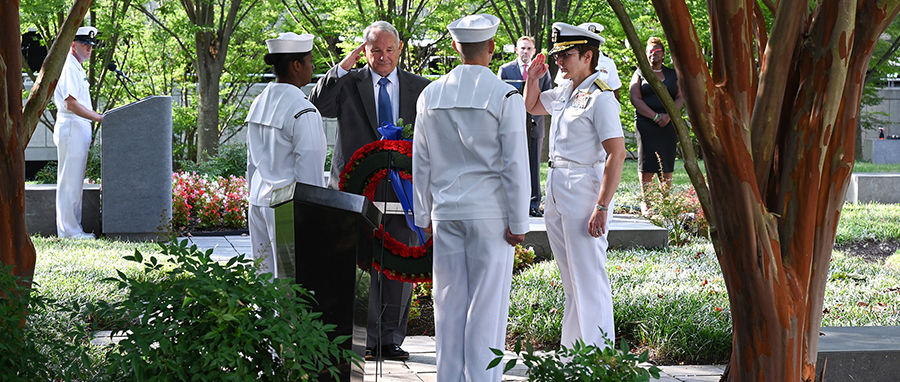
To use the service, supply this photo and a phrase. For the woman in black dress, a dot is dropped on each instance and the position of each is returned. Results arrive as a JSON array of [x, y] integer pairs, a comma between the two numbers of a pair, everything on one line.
[[654, 130]]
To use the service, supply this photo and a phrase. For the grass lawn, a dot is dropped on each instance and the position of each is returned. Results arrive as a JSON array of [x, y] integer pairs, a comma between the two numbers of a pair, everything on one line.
[[672, 302]]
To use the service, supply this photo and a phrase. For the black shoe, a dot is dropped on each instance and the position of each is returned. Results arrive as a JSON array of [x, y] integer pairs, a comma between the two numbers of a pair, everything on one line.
[[370, 355], [394, 352], [534, 212]]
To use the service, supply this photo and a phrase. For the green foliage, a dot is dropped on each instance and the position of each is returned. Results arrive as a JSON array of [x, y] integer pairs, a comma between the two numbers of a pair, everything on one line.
[[536, 302], [860, 293], [33, 350], [47, 174], [872, 167], [893, 261], [677, 209], [868, 221], [220, 321], [231, 160], [587, 363], [524, 257], [422, 289]]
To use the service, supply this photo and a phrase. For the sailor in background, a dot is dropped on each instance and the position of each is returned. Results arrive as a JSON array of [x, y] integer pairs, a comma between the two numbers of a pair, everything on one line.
[[285, 140], [72, 134], [587, 150]]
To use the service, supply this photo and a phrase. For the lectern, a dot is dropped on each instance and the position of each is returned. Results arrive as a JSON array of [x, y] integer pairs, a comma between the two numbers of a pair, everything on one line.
[[322, 237], [136, 170]]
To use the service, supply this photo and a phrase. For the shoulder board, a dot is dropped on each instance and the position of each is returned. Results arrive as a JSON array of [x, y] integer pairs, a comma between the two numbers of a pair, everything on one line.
[[602, 85], [304, 111], [511, 93]]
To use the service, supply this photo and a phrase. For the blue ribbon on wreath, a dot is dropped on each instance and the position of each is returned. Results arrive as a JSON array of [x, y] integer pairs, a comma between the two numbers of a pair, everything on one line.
[[402, 187]]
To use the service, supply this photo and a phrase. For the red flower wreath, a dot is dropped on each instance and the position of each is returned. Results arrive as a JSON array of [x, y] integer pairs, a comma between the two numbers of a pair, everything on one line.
[[362, 174]]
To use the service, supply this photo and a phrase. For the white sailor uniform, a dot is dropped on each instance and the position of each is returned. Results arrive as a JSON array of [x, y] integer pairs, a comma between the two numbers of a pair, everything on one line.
[[470, 173], [72, 136], [285, 144], [582, 119]]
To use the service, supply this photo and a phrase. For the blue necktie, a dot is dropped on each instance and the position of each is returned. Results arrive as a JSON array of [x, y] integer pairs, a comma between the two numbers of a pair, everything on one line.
[[385, 111]]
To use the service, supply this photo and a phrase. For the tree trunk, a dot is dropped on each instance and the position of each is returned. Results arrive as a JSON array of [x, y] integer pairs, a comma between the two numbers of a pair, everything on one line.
[[208, 77], [211, 48], [776, 126], [16, 127], [16, 248]]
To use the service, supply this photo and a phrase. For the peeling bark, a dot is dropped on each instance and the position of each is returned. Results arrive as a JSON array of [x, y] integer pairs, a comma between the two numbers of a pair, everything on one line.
[[776, 117], [16, 247]]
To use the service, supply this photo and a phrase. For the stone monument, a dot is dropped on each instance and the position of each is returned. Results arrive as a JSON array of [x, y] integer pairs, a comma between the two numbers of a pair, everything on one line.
[[136, 170]]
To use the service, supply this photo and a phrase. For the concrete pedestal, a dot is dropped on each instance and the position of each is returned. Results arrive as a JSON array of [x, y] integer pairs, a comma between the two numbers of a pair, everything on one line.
[[40, 209], [886, 151], [867, 353], [868, 187], [137, 170]]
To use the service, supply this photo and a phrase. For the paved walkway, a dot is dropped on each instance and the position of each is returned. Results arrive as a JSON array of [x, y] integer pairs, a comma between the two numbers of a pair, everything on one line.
[[420, 367]]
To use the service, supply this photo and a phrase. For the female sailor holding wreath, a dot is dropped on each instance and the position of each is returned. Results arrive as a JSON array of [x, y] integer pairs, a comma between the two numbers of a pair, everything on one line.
[[587, 150]]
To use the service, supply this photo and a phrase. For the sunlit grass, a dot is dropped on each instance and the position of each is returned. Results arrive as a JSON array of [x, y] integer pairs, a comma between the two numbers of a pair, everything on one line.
[[674, 301]]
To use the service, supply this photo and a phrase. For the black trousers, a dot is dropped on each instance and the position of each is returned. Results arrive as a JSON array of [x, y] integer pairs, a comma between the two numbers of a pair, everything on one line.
[[534, 160]]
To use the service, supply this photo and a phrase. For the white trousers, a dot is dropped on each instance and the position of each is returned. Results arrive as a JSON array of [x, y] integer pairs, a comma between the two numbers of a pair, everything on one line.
[[571, 197], [261, 224], [472, 276], [73, 139]]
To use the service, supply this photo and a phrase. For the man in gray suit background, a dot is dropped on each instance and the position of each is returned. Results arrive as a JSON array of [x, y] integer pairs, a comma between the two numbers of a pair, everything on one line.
[[514, 73], [362, 99]]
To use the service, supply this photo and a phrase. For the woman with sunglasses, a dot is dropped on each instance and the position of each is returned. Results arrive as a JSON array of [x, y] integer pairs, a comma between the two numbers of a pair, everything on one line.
[[587, 150], [654, 130]]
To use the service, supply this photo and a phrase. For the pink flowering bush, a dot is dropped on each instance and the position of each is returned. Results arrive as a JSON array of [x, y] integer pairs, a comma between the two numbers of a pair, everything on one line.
[[200, 201]]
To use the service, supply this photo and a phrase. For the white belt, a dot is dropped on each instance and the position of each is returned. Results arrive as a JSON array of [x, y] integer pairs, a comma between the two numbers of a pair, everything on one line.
[[570, 164], [390, 208]]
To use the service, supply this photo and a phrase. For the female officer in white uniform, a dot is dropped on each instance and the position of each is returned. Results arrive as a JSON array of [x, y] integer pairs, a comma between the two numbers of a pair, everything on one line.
[[587, 150], [285, 140], [72, 134]]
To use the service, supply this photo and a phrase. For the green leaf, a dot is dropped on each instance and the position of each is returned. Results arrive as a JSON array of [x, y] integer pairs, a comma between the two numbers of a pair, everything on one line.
[[510, 365], [494, 362]]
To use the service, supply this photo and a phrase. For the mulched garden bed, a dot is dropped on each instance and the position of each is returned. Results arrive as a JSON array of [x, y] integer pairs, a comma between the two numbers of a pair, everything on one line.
[[870, 250]]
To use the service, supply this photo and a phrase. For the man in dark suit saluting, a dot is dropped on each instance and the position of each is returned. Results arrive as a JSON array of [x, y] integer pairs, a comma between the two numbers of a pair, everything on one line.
[[514, 73], [361, 100]]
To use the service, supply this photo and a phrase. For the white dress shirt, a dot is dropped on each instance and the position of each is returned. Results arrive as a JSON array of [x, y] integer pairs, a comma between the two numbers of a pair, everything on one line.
[[393, 89], [578, 114], [72, 82]]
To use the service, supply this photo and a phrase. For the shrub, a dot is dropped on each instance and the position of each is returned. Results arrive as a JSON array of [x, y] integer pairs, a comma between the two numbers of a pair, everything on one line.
[[47, 174], [587, 363], [36, 350], [230, 161], [201, 201], [422, 289], [524, 257], [677, 209], [220, 321]]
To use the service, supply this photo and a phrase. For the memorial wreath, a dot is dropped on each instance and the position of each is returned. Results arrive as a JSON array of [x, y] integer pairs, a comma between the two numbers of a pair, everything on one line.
[[364, 171]]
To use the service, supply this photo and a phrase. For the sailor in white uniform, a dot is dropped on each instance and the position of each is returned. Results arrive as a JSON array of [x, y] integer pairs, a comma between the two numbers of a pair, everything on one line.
[[606, 67], [587, 150], [470, 174], [72, 134], [285, 140]]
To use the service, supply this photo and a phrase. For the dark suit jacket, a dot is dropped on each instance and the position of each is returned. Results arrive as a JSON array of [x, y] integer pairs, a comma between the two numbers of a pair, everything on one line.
[[510, 72], [351, 99]]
